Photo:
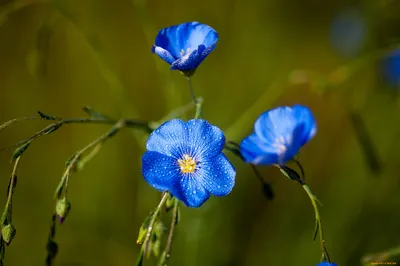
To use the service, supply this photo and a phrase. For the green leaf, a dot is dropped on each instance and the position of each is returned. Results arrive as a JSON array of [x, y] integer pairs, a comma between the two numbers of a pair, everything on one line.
[[46, 117], [20, 150]]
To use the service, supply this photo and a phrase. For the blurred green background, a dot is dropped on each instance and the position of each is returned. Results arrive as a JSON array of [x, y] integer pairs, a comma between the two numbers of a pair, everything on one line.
[[60, 56]]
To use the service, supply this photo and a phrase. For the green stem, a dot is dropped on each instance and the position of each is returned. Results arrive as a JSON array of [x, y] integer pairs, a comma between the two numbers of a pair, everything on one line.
[[192, 94], [167, 251], [58, 122], [152, 222], [383, 256], [76, 158], [318, 229]]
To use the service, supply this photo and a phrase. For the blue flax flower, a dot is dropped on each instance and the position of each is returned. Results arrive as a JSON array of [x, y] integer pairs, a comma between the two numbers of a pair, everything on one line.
[[186, 45], [391, 68], [278, 135], [324, 263], [186, 159]]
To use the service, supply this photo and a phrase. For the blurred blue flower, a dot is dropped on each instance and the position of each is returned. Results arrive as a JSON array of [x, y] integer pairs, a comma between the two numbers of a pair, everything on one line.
[[186, 159], [391, 68], [324, 263], [186, 45], [348, 31], [278, 135]]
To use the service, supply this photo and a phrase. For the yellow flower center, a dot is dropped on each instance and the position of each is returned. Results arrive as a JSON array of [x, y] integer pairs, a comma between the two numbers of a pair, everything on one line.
[[187, 164]]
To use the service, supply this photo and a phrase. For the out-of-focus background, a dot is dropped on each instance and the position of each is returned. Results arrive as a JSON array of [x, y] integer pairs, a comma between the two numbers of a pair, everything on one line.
[[333, 56]]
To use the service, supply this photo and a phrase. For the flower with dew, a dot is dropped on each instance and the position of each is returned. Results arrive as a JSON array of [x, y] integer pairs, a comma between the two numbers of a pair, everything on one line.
[[278, 135], [186, 159], [185, 46], [391, 68], [324, 263]]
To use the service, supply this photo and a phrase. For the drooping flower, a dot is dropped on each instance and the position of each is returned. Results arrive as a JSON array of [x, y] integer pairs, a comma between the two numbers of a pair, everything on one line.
[[186, 159], [278, 135], [391, 68], [324, 263], [186, 45]]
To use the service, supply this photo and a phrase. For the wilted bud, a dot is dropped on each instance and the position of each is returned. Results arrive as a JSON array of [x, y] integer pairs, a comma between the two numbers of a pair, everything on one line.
[[62, 209], [8, 232]]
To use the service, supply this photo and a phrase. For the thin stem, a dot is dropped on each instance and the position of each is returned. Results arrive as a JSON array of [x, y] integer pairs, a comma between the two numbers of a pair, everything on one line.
[[6, 216], [319, 229], [94, 144], [91, 120], [192, 94], [167, 251], [63, 185], [16, 120], [153, 220], [383, 256], [13, 182]]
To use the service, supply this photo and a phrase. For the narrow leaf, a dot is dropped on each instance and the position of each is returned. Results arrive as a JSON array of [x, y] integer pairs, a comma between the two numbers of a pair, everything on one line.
[[20, 150]]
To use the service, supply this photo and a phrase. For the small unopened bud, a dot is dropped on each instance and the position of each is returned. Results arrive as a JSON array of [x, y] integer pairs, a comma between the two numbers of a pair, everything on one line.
[[8, 232], [169, 204], [62, 209]]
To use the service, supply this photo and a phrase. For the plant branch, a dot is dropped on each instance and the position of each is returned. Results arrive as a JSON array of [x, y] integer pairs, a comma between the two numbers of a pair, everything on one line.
[[167, 251], [58, 122], [318, 229], [154, 217]]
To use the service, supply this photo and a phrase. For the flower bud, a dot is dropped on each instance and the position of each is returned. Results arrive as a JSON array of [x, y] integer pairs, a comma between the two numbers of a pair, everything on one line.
[[62, 209], [8, 232]]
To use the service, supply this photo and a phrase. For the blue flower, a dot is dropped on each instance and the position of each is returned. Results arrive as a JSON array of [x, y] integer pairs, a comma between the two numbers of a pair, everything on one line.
[[186, 159], [324, 263], [186, 45], [279, 135], [391, 68]]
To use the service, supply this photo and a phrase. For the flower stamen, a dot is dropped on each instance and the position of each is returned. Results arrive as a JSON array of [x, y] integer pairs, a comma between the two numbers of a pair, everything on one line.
[[187, 164]]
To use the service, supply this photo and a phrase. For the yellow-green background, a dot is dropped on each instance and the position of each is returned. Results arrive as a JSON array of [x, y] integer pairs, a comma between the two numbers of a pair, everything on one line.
[[60, 56]]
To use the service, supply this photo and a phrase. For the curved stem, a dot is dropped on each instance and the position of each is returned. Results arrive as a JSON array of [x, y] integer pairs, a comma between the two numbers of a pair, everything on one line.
[[318, 229], [167, 251], [153, 220]]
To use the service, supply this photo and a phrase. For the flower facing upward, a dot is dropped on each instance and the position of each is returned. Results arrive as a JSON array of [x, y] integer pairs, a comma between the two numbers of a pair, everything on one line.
[[324, 263], [186, 45], [278, 135], [186, 159]]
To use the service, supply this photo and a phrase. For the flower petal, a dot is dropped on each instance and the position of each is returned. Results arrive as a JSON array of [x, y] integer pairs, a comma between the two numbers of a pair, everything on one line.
[[305, 116], [217, 175], [275, 123], [169, 139], [205, 140], [168, 40], [211, 38], [201, 34], [257, 152], [190, 191], [163, 54], [191, 60], [159, 170]]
